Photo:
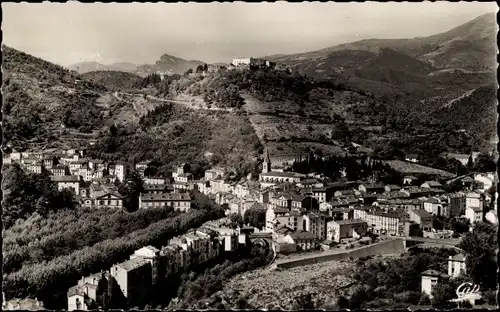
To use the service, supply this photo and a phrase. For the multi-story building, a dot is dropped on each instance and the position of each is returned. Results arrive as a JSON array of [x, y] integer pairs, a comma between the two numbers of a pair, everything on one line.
[[436, 206], [183, 177], [421, 217], [76, 165], [48, 162], [214, 174], [486, 180], [154, 188], [315, 223], [456, 204], [35, 167], [241, 61], [97, 164], [58, 170], [473, 200], [140, 167], [87, 295], [155, 181], [103, 196], [456, 265], [271, 178], [342, 229], [152, 255], [430, 279], [70, 182], [474, 214], [134, 277], [178, 201], [122, 170], [303, 240], [384, 223]]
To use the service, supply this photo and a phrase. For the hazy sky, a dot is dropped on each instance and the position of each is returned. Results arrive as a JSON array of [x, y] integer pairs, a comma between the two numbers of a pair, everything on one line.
[[141, 33]]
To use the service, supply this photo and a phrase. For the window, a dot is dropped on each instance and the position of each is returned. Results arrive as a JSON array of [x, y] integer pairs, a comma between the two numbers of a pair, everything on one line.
[[101, 202]]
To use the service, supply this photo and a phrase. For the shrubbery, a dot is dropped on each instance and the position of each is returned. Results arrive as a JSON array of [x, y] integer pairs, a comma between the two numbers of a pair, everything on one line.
[[396, 280], [26, 193]]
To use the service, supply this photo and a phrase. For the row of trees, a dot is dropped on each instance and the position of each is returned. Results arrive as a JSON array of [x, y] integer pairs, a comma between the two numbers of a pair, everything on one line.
[[354, 168], [49, 280], [40, 239], [255, 217]]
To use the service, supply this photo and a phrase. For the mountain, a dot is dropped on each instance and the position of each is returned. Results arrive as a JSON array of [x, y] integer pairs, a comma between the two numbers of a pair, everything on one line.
[[168, 64], [469, 47], [475, 112], [40, 96], [85, 67]]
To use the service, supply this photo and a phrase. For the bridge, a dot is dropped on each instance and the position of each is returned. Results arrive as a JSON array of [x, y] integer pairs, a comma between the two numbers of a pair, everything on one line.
[[262, 239], [411, 242], [448, 241]]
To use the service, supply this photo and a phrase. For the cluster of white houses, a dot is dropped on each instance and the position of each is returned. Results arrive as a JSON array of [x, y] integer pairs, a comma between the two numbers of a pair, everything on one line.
[[148, 269]]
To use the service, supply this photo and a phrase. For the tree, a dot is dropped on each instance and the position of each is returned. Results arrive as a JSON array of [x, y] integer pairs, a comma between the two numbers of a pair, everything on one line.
[[29, 193], [113, 131], [342, 303], [443, 293], [479, 247], [236, 219], [199, 69], [357, 298], [424, 300], [131, 189], [470, 162], [255, 217]]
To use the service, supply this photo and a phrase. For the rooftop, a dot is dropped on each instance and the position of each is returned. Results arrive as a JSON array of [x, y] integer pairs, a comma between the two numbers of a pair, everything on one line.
[[283, 174], [432, 273], [133, 264], [353, 221], [302, 235], [165, 197], [70, 178], [458, 257], [422, 213]]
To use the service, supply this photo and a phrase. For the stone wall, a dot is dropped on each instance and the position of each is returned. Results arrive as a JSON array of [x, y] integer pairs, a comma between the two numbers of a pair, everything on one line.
[[395, 246]]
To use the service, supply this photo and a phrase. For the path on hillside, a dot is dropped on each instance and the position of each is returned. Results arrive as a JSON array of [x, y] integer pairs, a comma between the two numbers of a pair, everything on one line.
[[187, 104], [251, 110], [463, 96]]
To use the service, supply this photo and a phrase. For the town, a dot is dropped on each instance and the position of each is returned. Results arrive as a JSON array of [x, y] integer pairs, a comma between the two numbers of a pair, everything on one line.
[[250, 157], [295, 212]]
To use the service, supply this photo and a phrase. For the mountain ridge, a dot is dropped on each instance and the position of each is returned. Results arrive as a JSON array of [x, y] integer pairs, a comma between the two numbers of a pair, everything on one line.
[[442, 50]]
